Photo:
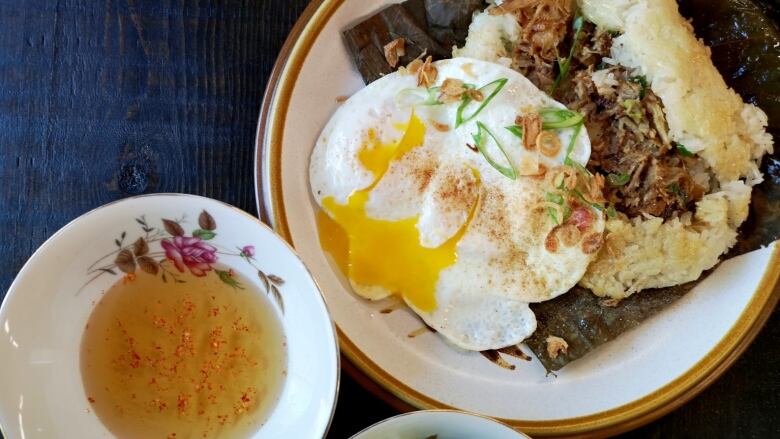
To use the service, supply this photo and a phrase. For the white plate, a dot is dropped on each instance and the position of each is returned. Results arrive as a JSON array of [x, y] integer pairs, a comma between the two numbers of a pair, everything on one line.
[[640, 376], [444, 424], [44, 313]]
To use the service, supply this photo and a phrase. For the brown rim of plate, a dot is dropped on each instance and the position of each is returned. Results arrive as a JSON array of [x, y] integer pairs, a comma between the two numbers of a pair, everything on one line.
[[399, 395]]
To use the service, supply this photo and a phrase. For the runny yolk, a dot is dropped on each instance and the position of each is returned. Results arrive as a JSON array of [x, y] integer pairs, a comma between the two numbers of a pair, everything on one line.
[[379, 252]]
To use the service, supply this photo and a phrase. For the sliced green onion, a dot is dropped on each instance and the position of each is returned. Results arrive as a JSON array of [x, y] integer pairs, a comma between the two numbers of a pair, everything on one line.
[[481, 140], [611, 212], [684, 151], [675, 189], [618, 179], [565, 63], [557, 118], [517, 130], [460, 119], [566, 213], [433, 96], [567, 160], [596, 206], [554, 198], [553, 215], [578, 167], [579, 195], [633, 109], [418, 96], [641, 80]]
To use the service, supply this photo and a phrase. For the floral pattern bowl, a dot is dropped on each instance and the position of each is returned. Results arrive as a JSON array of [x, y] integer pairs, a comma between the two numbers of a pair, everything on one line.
[[45, 310]]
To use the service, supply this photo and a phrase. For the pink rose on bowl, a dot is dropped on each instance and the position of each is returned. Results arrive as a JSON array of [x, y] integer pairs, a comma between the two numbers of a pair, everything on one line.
[[190, 252], [248, 251]]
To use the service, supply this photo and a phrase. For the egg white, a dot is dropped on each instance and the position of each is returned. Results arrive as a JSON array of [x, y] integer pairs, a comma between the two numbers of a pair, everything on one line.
[[482, 299]]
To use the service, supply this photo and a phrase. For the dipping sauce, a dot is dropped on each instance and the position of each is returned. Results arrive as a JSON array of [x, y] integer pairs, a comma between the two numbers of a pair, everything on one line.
[[191, 359]]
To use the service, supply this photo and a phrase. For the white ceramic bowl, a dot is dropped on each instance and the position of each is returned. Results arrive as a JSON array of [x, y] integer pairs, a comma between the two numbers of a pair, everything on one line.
[[47, 306], [445, 424]]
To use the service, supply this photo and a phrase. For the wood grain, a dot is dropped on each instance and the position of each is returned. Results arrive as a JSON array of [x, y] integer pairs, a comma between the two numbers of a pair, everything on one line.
[[100, 100]]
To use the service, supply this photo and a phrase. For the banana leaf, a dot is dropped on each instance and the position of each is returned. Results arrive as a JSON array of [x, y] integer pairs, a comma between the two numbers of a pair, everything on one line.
[[430, 26]]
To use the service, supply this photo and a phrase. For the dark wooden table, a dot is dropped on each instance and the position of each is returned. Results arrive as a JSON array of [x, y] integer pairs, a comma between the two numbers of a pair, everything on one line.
[[100, 100]]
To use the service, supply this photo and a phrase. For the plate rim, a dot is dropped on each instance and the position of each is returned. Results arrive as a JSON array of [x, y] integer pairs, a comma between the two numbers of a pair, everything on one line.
[[333, 399], [270, 204]]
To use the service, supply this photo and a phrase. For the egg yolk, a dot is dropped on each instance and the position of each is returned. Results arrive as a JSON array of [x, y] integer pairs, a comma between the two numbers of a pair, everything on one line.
[[379, 252]]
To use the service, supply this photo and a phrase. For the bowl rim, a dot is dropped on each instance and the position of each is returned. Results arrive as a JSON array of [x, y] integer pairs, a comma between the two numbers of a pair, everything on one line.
[[419, 412], [268, 190], [69, 225]]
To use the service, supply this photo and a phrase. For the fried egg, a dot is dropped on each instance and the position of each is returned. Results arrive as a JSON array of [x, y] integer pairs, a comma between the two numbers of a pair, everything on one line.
[[439, 202]]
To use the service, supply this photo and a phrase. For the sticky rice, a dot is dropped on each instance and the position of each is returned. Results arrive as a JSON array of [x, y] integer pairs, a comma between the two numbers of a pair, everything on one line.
[[708, 118]]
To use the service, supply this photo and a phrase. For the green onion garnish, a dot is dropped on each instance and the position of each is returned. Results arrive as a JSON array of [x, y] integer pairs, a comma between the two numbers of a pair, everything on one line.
[[557, 118], [579, 195], [553, 215], [460, 119], [566, 213], [568, 161], [618, 179], [419, 96], [565, 63], [554, 198], [633, 109], [433, 96], [683, 150], [517, 130], [581, 168], [611, 212], [675, 189], [481, 140]]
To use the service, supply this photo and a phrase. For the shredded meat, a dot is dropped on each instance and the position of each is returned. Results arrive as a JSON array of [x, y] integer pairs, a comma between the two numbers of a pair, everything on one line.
[[630, 146], [629, 136], [596, 45]]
